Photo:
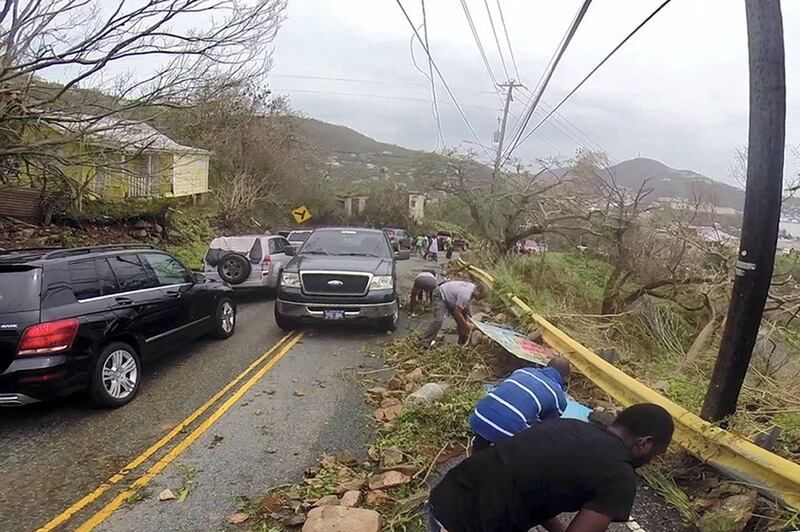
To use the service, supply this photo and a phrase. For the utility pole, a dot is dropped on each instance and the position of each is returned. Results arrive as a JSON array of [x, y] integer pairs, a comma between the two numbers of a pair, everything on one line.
[[510, 85], [762, 207]]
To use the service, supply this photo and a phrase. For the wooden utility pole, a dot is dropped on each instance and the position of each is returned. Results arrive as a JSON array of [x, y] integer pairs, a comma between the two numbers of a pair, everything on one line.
[[762, 207]]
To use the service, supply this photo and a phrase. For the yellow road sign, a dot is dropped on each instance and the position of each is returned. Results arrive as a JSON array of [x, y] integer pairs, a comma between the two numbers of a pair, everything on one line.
[[301, 214]]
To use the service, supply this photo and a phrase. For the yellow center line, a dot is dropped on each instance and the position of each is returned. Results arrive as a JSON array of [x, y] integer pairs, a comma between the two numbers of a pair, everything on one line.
[[105, 512], [168, 437]]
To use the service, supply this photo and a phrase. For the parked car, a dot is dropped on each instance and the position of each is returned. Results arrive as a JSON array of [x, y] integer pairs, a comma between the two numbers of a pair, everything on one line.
[[81, 318], [532, 246], [399, 238], [250, 261], [296, 238], [460, 243], [340, 274]]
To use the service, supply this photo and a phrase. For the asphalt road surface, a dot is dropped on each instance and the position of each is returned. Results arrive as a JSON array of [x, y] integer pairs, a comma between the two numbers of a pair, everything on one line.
[[261, 407]]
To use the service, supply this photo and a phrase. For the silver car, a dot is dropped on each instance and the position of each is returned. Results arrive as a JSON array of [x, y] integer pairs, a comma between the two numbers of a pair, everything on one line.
[[249, 261]]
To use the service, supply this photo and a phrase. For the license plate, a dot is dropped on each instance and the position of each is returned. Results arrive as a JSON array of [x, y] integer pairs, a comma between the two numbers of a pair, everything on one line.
[[333, 314]]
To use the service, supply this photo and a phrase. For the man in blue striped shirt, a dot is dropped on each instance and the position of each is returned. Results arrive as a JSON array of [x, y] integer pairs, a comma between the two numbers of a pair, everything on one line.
[[527, 396]]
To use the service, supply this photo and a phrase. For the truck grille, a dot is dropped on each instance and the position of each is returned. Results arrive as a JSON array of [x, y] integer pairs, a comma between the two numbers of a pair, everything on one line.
[[350, 284]]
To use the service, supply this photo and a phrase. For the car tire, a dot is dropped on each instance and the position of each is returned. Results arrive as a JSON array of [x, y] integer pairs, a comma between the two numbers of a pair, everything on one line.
[[234, 268], [117, 364], [287, 324], [389, 323], [224, 319]]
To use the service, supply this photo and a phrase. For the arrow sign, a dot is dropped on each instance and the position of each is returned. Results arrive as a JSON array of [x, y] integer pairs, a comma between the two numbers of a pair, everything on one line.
[[301, 214]]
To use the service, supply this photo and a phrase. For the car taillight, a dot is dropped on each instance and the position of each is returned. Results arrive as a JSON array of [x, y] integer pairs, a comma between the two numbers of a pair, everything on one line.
[[49, 337], [266, 264]]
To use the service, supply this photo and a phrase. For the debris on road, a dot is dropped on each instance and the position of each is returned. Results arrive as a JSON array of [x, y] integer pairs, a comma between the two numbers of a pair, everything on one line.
[[166, 495], [341, 518], [427, 394], [238, 518], [271, 450], [327, 500], [216, 440], [388, 479], [299, 393], [351, 498]]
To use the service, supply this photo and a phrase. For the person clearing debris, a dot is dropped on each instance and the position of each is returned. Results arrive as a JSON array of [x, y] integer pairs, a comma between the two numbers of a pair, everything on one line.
[[556, 466], [527, 396], [453, 297], [424, 284]]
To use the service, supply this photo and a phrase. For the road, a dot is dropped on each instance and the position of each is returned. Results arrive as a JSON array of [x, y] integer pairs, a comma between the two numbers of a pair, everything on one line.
[[297, 402]]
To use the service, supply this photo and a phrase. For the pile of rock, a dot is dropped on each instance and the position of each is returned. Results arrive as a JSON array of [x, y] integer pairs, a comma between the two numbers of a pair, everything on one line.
[[153, 232], [18, 234]]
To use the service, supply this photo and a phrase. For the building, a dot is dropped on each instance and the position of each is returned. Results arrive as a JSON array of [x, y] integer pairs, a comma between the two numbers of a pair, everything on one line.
[[353, 204], [114, 159], [416, 206]]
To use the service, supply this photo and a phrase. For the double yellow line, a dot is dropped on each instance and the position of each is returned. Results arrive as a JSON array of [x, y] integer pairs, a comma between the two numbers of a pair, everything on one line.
[[283, 346]]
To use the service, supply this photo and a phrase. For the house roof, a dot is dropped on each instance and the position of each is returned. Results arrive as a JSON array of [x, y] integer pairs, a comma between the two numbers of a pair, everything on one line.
[[124, 134]]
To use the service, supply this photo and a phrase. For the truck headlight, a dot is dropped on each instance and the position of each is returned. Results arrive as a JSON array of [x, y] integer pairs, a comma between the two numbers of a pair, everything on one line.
[[381, 282], [290, 280]]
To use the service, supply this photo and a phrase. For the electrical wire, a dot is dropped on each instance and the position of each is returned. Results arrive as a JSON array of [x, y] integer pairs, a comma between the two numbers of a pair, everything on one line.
[[508, 40], [591, 73], [477, 39], [350, 80], [548, 74], [433, 84], [496, 39], [444, 82]]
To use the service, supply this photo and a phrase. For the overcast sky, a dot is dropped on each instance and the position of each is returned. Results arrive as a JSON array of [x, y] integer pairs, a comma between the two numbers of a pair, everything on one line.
[[676, 92]]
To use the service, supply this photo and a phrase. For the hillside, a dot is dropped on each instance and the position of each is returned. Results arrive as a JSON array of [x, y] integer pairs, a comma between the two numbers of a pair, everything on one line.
[[344, 140]]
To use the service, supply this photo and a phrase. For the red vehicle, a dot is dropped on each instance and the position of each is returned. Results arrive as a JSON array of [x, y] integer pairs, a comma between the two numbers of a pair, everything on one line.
[[459, 242]]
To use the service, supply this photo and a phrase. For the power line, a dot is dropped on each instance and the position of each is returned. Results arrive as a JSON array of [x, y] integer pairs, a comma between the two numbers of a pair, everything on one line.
[[477, 39], [444, 82], [380, 96], [433, 84], [350, 80], [591, 73], [548, 74], [508, 40], [496, 40]]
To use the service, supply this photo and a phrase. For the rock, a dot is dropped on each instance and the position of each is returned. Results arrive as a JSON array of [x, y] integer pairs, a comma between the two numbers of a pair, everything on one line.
[[25, 232], [271, 450], [157, 229], [294, 520], [661, 387], [609, 354], [342, 519], [389, 413], [238, 518], [406, 469], [409, 387], [374, 454], [414, 375], [396, 382], [731, 515], [327, 500], [411, 363], [139, 233], [378, 392], [390, 401], [427, 394], [350, 485], [174, 236], [347, 458], [500, 318], [351, 498], [376, 498], [141, 224], [388, 479], [391, 456], [166, 495], [299, 393], [328, 461]]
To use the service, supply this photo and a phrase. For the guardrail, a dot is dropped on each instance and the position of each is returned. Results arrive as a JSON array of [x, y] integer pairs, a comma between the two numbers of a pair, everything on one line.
[[770, 474]]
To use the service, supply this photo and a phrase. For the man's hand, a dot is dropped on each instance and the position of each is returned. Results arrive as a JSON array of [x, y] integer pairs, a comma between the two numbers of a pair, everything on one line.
[[589, 521], [554, 524]]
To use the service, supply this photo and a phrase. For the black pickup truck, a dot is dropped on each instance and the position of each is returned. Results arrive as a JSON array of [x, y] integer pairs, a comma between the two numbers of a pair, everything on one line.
[[339, 274]]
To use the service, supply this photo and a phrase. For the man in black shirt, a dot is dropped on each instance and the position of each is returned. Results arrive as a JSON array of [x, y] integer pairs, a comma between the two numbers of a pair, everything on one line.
[[556, 466]]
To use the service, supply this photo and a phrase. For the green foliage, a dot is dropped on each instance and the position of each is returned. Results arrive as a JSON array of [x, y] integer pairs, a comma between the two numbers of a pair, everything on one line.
[[116, 212], [197, 234], [666, 487]]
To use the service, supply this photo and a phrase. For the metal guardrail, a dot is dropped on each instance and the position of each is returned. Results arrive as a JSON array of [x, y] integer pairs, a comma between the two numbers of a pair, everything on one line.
[[773, 476]]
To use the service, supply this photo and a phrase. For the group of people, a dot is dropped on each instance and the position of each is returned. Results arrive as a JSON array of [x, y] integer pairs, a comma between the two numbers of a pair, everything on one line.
[[528, 463], [427, 246]]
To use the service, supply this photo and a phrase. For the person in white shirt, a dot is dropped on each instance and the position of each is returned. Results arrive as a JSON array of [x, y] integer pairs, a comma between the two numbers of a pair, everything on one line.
[[453, 297]]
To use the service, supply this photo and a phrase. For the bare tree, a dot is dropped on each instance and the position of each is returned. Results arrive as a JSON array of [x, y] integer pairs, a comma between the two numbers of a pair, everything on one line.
[[67, 66]]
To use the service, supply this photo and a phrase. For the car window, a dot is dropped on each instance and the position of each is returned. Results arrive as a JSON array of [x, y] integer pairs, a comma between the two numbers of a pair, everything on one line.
[[168, 270], [105, 277], [241, 244], [276, 245], [347, 242], [285, 243], [131, 274], [299, 236], [83, 278], [19, 288]]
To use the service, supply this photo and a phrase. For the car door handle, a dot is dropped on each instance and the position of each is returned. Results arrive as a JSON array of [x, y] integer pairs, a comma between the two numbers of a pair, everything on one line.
[[173, 293], [123, 301]]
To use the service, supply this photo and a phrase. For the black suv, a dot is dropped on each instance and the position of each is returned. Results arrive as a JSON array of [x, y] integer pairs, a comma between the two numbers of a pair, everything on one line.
[[83, 317], [339, 274]]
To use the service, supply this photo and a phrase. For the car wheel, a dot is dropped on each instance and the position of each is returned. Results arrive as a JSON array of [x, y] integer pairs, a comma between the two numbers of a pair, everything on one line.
[[224, 319], [287, 324], [389, 323], [234, 268], [116, 375]]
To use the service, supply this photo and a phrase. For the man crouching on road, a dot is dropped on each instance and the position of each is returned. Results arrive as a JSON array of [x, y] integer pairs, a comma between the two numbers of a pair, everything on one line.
[[424, 284], [527, 396], [454, 297], [556, 466]]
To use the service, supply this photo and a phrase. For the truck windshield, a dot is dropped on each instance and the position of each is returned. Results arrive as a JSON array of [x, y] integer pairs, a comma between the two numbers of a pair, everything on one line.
[[347, 242], [19, 288]]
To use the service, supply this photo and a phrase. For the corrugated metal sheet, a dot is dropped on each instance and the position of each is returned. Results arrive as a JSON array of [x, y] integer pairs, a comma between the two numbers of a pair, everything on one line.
[[22, 203]]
